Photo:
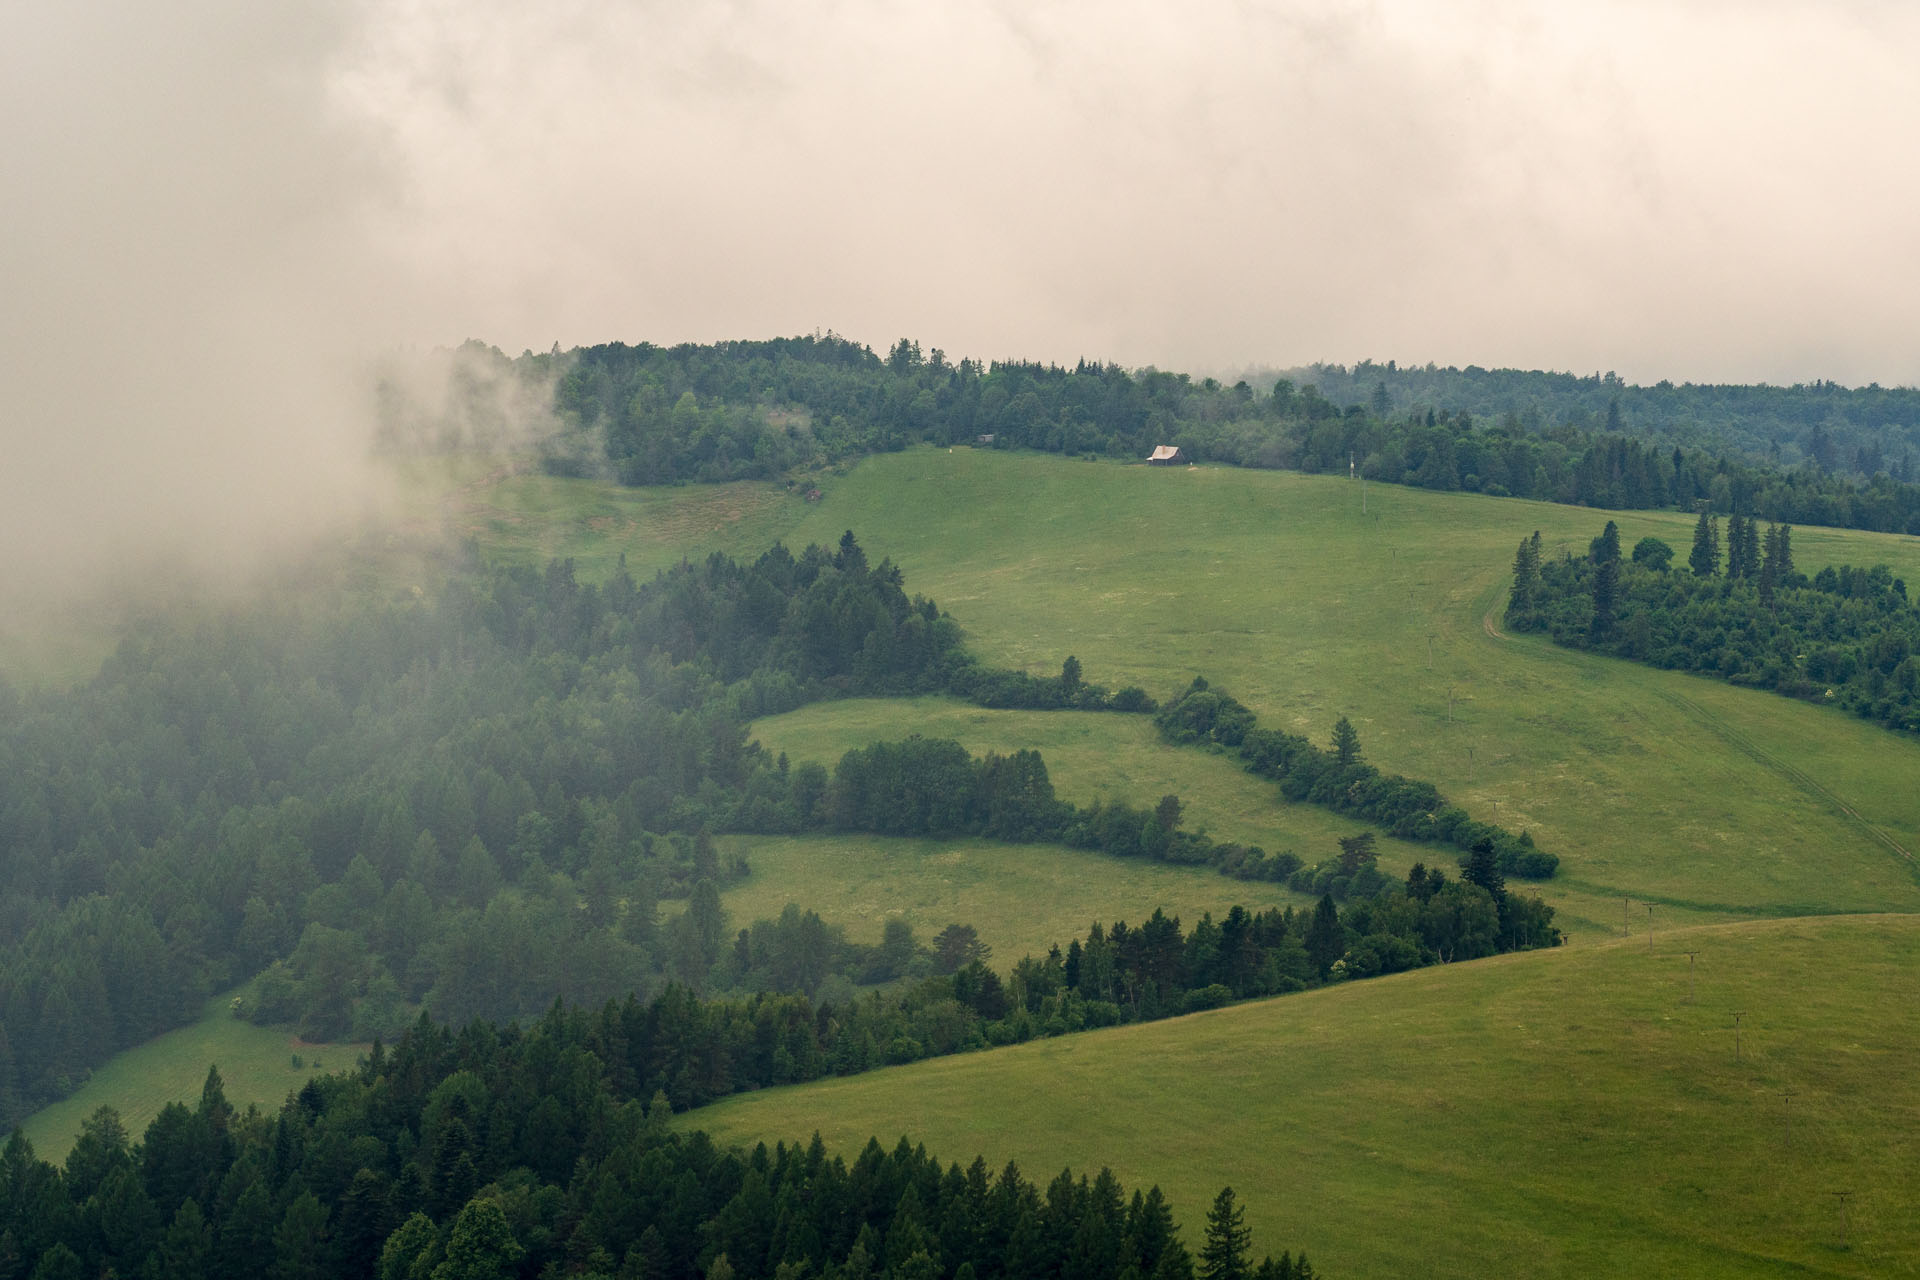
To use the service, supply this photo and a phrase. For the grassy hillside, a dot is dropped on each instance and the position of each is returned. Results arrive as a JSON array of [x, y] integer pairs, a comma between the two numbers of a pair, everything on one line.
[[1022, 898], [1710, 801], [256, 1066], [1565, 1113]]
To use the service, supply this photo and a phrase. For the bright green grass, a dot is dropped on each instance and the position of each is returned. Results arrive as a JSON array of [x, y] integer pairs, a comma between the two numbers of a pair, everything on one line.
[[1566, 1113], [1090, 755], [256, 1066], [1022, 898], [1710, 801], [1093, 755], [1651, 785]]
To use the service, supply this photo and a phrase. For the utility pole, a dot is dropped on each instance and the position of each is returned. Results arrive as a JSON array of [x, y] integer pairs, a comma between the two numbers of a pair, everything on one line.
[[1649, 928], [1626, 926], [1690, 956], [1786, 1096], [1738, 1014], [1843, 1197]]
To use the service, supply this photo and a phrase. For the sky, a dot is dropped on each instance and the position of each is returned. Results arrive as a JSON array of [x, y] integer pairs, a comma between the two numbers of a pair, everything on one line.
[[219, 214]]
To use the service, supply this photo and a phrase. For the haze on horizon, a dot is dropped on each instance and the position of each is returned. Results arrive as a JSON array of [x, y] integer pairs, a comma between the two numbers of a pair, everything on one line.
[[220, 214]]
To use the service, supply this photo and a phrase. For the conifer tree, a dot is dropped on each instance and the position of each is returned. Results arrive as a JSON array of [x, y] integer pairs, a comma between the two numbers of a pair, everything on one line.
[[1326, 939], [1737, 566], [1705, 557], [1346, 742], [1780, 550], [1224, 1255], [1526, 578], [1606, 591], [1607, 546], [1481, 867], [1750, 547]]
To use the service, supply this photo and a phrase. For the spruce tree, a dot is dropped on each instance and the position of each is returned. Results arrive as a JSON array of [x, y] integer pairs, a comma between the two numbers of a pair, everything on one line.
[[1606, 591], [1780, 550], [1346, 742], [1737, 566], [1224, 1255], [1705, 557], [1482, 867], [1326, 939], [1607, 546], [1526, 580]]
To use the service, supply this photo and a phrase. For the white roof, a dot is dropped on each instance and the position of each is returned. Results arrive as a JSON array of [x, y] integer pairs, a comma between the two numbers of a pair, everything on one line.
[[1165, 451]]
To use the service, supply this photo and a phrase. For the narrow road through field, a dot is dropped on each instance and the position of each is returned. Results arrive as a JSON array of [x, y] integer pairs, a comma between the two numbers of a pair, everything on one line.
[[1738, 741]]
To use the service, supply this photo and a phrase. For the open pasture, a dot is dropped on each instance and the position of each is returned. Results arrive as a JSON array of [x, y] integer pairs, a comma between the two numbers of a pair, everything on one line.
[[1702, 799], [1021, 898], [1579, 1112]]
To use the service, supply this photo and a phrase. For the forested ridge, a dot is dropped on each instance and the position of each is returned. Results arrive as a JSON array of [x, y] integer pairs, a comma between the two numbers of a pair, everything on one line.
[[499, 1151], [1847, 637], [643, 414], [1857, 431]]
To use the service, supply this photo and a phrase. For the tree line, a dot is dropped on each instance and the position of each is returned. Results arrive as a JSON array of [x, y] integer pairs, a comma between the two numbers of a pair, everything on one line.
[[1341, 780], [646, 414], [1861, 431], [1737, 609], [497, 1152]]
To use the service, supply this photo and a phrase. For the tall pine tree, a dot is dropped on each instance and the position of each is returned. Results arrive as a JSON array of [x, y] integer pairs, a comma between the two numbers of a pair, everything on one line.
[[1704, 560], [1224, 1255]]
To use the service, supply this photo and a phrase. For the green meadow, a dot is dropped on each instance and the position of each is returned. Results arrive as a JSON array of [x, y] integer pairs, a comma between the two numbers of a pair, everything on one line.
[[1576, 1112], [1021, 898], [1706, 801], [256, 1067]]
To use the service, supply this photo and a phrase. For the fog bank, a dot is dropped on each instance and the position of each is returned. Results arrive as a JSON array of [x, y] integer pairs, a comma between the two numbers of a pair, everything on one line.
[[221, 216]]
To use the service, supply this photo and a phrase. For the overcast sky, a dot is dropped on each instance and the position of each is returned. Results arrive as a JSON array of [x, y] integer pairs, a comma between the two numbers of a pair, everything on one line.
[[218, 211]]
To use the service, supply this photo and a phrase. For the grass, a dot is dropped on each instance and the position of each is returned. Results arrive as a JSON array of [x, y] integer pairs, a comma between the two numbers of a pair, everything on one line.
[[1090, 756], [1707, 800], [1565, 1113], [1021, 898], [256, 1066], [530, 518]]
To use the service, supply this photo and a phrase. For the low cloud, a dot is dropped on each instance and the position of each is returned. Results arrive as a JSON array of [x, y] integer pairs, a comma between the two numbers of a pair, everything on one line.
[[222, 217]]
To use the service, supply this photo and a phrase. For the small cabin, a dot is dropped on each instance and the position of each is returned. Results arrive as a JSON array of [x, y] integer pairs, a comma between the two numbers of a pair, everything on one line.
[[1167, 455], [985, 439]]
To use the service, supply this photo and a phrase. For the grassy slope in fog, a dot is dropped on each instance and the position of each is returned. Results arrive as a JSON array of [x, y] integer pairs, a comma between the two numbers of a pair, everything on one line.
[[256, 1066]]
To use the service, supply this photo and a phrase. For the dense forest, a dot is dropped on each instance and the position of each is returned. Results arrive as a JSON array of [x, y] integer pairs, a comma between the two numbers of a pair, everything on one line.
[[664, 415], [1847, 637], [497, 1152], [473, 798], [1858, 431]]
